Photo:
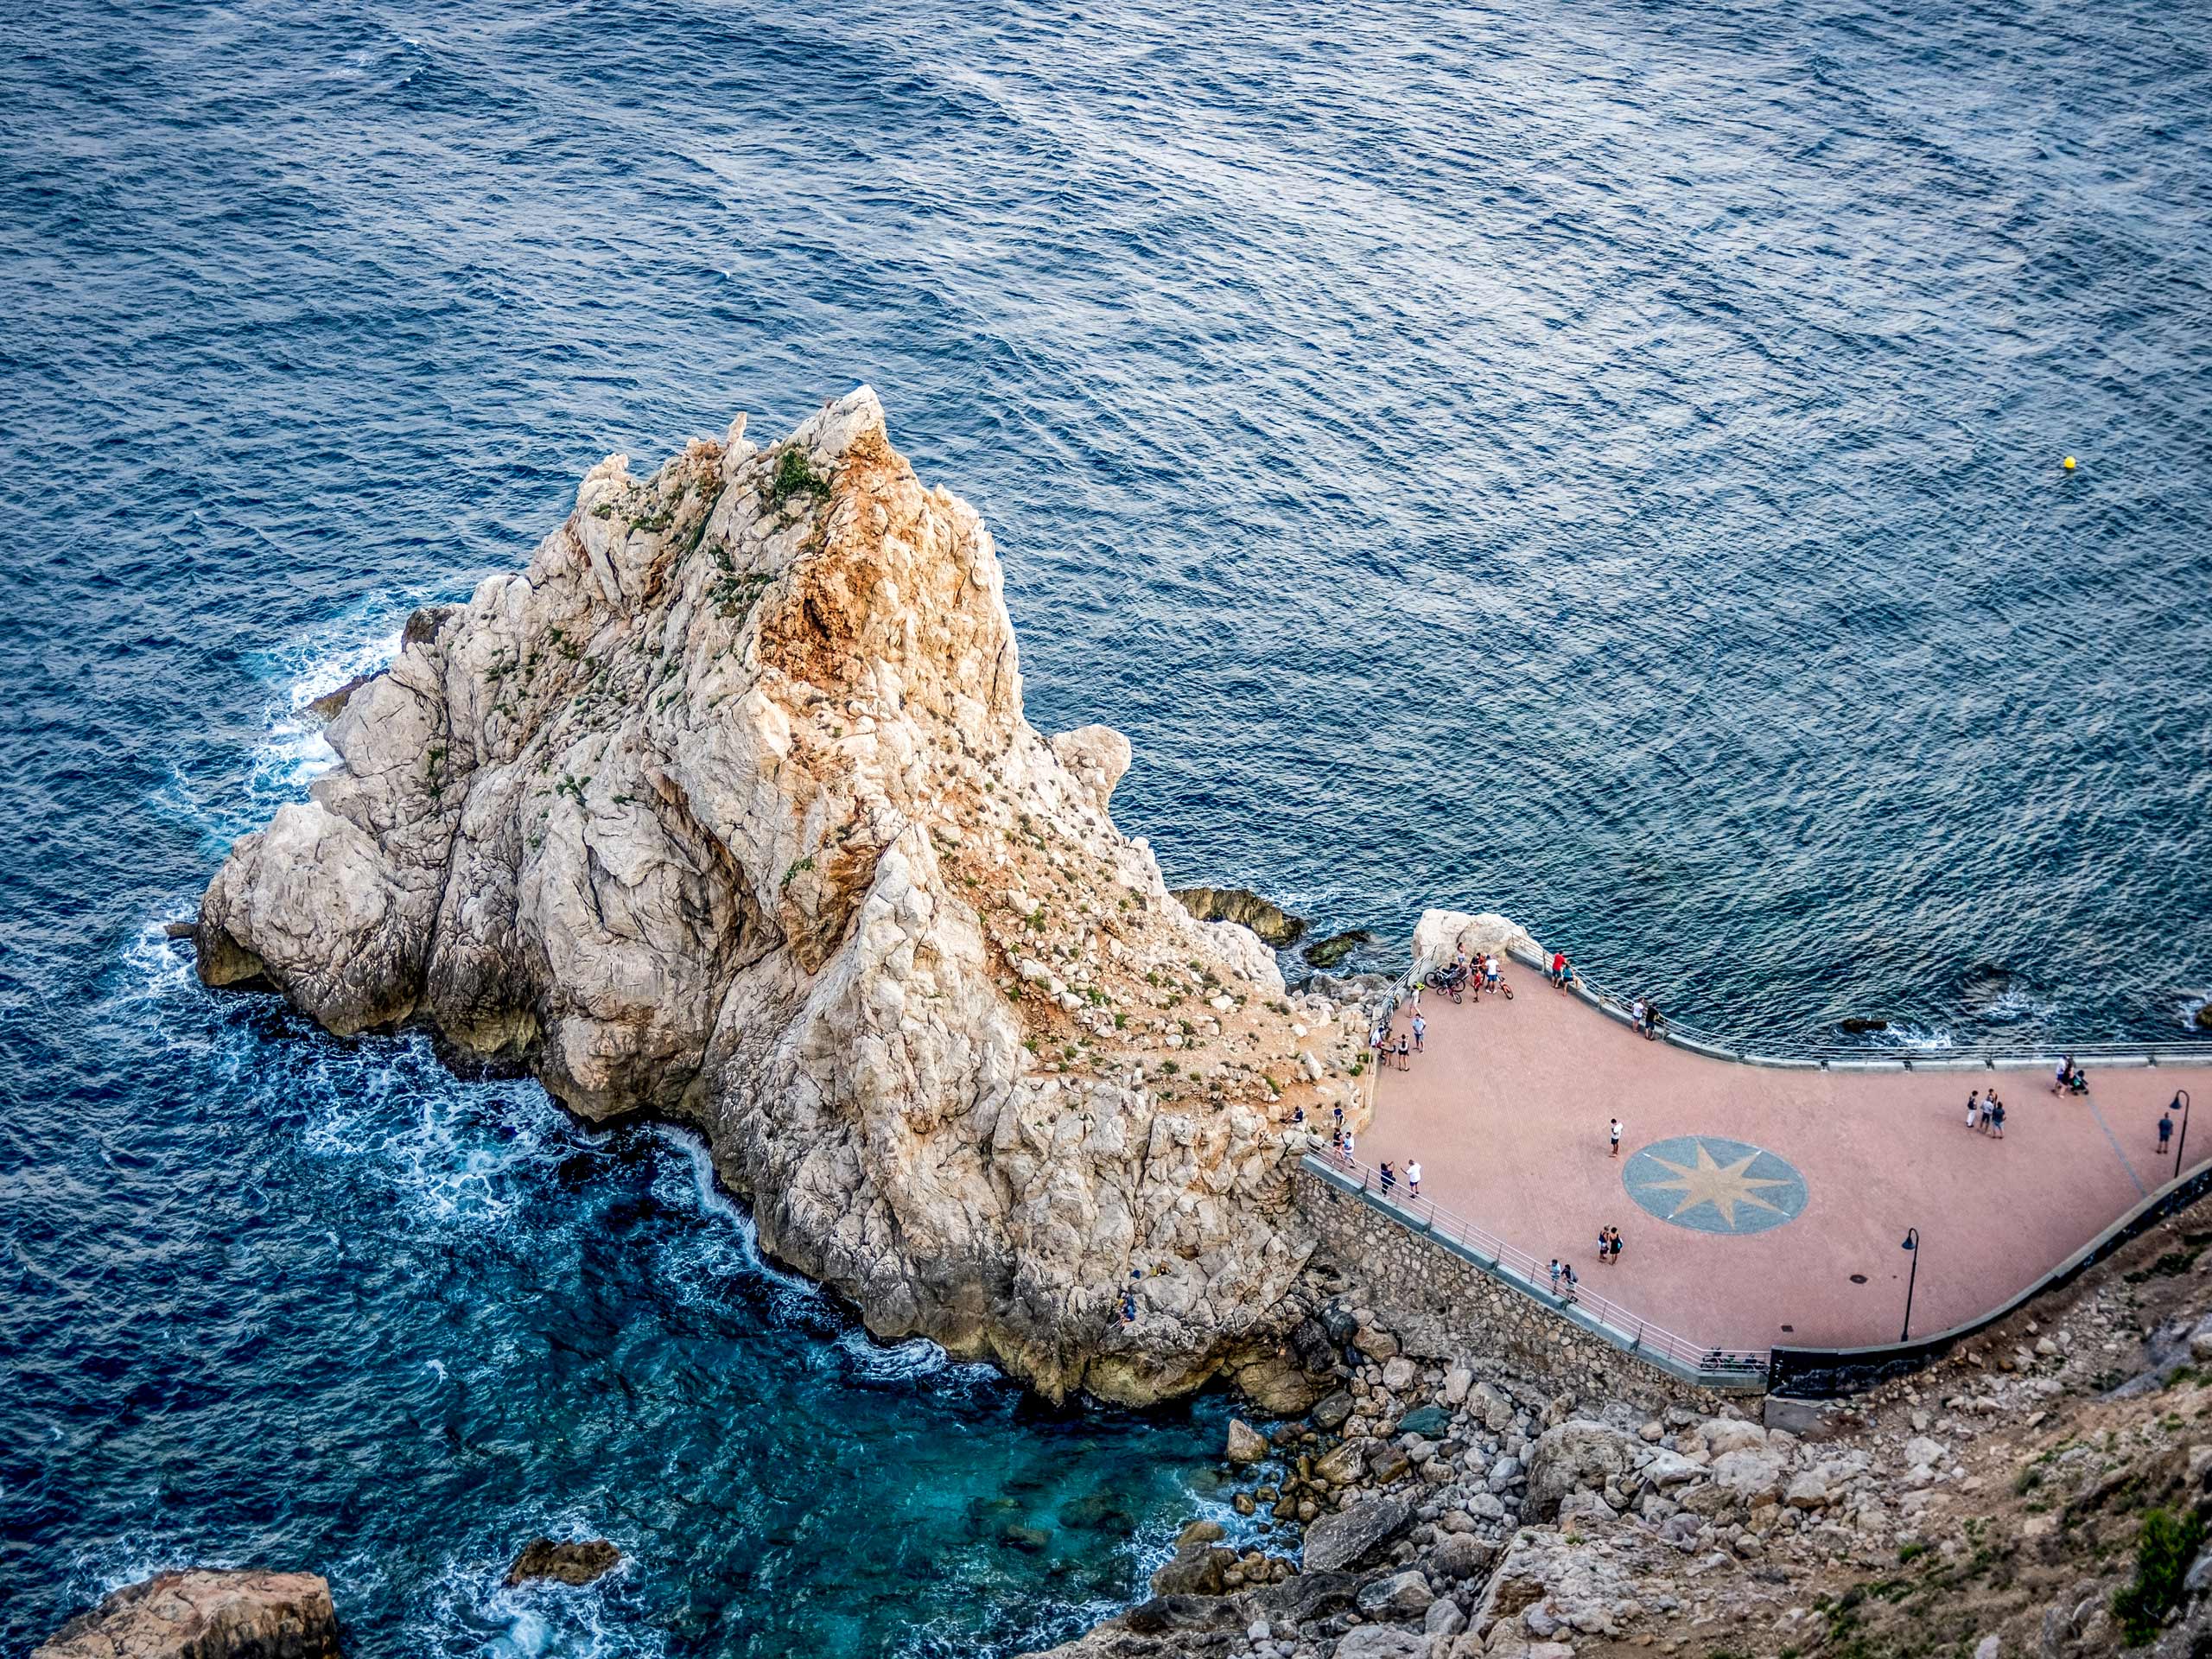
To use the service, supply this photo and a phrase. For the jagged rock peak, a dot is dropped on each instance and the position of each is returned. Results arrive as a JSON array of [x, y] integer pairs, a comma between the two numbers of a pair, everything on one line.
[[724, 810]]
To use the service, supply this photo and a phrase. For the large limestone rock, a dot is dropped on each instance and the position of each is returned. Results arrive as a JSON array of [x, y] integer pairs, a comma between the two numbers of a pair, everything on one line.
[[1440, 935], [204, 1614], [1576, 1455], [724, 810]]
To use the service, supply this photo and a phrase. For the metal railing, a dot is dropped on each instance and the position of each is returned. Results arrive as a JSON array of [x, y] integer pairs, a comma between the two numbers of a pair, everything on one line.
[[2182, 1051], [1582, 1306]]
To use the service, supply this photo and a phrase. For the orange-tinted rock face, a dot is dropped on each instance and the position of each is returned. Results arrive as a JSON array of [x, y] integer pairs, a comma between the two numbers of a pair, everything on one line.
[[725, 809]]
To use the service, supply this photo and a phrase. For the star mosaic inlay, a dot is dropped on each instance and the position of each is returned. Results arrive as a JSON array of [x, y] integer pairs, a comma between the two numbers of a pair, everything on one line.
[[1714, 1184]]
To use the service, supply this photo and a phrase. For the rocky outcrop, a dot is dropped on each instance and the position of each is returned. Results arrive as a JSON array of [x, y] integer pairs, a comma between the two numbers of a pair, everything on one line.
[[1274, 924], [724, 810], [202, 1613], [1327, 953], [1440, 935], [578, 1562]]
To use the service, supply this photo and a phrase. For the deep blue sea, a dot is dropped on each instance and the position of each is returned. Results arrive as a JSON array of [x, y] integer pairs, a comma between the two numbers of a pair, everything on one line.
[[1595, 460]]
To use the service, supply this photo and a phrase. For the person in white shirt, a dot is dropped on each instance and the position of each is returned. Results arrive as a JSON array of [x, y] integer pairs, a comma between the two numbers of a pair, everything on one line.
[[1413, 1176]]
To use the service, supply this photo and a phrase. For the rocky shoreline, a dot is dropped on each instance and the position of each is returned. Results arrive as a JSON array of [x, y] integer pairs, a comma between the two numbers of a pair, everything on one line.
[[2021, 1498]]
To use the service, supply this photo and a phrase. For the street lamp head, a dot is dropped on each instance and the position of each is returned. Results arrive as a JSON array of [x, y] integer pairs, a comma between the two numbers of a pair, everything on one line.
[[1911, 1239]]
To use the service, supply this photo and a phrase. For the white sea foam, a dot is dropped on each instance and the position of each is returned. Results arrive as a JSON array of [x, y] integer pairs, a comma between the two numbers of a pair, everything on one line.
[[468, 1606]]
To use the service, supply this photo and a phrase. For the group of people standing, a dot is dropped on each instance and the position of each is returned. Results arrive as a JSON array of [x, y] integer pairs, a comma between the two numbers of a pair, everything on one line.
[[1985, 1115], [1389, 1174]]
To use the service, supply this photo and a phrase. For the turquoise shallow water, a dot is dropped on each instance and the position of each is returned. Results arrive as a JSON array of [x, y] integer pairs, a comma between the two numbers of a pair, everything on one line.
[[1595, 461]]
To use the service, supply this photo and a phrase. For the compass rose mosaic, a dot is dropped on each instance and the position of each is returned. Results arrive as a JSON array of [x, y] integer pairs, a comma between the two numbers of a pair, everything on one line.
[[1714, 1184]]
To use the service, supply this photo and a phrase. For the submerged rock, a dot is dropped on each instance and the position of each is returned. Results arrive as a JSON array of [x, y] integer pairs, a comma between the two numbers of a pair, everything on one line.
[[724, 810], [203, 1613], [1327, 953], [565, 1563], [1246, 908]]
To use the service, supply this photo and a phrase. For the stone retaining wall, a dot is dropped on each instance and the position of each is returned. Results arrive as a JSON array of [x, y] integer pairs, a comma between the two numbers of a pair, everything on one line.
[[1443, 1304]]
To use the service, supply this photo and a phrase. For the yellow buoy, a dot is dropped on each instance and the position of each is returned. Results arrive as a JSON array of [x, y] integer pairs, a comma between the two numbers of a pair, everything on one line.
[[2069, 463]]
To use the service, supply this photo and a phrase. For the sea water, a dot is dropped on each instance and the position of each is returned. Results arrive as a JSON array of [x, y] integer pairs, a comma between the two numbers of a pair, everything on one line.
[[1600, 461]]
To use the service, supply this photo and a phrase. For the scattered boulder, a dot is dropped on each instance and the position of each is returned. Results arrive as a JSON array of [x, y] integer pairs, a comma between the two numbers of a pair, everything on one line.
[[1388, 1464], [1375, 1343], [1341, 1465], [1489, 1402], [1403, 1595], [202, 1613], [1724, 1434], [1200, 1532], [1246, 1443], [1339, 1540], [1462, 1555], [1240, 905], [1305, 1597], [1195, 1570], [1807, 1491], [1430, 1422], [1858, 1024], [1747, 1476], [1330, 1414], [565, 1563], [1576, 1454], [1382, 1642]]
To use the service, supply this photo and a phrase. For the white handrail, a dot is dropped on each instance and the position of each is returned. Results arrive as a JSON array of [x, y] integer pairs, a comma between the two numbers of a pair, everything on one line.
[[2187, 1050]]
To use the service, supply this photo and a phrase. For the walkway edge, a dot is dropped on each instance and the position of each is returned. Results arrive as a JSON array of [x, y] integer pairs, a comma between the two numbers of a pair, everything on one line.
[[1733, 1380], [1825, 1373]]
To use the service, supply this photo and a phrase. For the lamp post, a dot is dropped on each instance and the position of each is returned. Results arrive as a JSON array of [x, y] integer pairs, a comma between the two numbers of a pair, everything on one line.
[[2181, 1099], [1911, 1244]]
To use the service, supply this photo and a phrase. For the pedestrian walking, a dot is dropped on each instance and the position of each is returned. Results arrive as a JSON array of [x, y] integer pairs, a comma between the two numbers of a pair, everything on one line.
[[1389, 1177], [1567, 1272], [1413, 1176], [2166, 1131], [1348, 1157], [1615, 1132], [1604, 1246], [1420, 1030], [1554, 1275], [1636, 1015], [1973, 1109], [1616, 1247]]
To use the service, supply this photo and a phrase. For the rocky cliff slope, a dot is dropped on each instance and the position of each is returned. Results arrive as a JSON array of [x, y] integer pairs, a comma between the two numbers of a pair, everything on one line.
[[2045, 1492], [724, 810]]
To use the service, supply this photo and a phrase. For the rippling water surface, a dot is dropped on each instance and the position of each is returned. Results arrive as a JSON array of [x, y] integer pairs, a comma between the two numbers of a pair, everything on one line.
[[1597, 460]]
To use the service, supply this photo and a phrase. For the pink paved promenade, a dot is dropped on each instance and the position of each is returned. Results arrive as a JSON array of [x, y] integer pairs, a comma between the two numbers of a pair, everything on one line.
[[1507, 1113]]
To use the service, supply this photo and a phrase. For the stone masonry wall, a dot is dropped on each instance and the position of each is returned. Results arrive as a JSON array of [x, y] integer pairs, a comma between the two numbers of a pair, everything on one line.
[[1442, 1306]]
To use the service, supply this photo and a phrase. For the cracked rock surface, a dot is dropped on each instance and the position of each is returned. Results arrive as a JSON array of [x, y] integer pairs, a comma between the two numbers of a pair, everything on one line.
[[724, 810]]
